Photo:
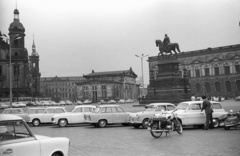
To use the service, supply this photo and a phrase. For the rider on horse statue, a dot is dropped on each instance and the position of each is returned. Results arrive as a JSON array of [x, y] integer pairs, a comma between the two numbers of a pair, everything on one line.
[[166, 43]]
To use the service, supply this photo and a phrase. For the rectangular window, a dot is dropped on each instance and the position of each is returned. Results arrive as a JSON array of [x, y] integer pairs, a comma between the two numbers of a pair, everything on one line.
[[237, 67], [216, 69], [207, 72], [188, 73], [227, 70], [0, 70], [197, 72], [16, 70]]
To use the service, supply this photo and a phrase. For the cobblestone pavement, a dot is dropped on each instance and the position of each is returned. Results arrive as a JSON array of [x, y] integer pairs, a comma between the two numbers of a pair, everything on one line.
[[118, 140]]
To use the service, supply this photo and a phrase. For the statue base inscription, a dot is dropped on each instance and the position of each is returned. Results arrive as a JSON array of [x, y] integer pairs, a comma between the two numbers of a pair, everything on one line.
[[168, 86]]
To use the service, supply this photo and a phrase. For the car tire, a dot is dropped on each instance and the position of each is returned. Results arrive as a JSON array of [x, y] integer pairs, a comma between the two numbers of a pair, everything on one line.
[[145, 123], [56, 154], [102, 123], [216, 123], [36, 122], [62, 123]]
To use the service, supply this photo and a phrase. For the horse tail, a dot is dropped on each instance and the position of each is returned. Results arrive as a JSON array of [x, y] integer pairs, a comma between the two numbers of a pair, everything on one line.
[[177, 46]]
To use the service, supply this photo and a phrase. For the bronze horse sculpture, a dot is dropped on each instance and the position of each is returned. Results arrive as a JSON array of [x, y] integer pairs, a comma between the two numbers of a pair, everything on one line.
[[167, 48]]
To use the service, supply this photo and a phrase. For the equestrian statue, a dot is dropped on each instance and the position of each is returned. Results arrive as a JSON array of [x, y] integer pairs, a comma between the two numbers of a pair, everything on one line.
[[167, 47]]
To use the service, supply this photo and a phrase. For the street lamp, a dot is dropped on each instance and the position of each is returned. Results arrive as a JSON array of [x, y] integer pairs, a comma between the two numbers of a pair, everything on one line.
[[16, 37], [142, 56]]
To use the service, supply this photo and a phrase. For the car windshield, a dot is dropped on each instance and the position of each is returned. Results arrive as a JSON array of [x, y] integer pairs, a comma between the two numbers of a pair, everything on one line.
[[183, 106]]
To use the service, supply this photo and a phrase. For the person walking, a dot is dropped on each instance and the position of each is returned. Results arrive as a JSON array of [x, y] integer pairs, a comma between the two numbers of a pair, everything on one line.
[[207, 106]]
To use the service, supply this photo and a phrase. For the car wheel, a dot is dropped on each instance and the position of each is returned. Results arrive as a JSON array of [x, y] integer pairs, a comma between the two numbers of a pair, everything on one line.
[[62, 123], [56, 154], [102, 123], [145, 123], [216, 123], [36, 122]]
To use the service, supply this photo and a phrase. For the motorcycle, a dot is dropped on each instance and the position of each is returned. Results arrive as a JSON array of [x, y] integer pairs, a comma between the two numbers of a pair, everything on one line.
[[232, 120], [164, 122]]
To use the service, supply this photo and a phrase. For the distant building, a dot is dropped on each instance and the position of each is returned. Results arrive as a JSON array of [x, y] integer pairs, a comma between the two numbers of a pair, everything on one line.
[[60, 88], [24, 69], [94, 86], [108, 85], [212, 71]]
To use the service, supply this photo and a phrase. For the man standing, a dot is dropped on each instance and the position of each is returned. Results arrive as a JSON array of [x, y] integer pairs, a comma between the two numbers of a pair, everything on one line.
[[207, 106]]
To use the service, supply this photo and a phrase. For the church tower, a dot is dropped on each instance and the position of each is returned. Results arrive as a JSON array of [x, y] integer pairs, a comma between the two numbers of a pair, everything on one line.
[[34, 69], [19, 57]]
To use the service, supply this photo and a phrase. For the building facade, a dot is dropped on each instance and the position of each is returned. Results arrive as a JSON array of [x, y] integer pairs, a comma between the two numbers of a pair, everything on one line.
[[214, 72], [111, 85], [22, 77], [60, 88]]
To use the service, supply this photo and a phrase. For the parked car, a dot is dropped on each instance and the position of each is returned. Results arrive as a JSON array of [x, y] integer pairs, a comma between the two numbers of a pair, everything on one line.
[[17, 111], [18, 104], [121, 101], [68, 102], [31, 104], [237, 98], [3, 106], [61, 103], [16, 139], [111, 102], [107, 114], [190, 113], [129, 101], [141, 118], [74, 117], [52, 103], [43, 115], [87, 102], [103, 102]]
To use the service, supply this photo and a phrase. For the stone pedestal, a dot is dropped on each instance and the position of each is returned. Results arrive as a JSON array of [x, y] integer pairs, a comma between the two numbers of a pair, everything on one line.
[[168, 86]]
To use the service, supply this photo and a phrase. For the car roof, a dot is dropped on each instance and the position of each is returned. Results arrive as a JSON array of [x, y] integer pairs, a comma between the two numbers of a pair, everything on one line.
[[12, 109], [85, 106], [7, 117], [193, 102], [44, 107], [109, 106], [157, 104]]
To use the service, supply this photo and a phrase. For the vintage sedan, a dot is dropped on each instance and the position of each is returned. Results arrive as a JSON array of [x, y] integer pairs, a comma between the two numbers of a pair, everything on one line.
[[17, 139], [43, 115], [141, 118], [74, 117], [17, 111], [107, 114], [190, 113]]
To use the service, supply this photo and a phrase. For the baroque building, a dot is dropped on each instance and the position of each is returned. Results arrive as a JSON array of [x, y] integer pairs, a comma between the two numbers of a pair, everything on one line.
[[23, 74], [214, 72]]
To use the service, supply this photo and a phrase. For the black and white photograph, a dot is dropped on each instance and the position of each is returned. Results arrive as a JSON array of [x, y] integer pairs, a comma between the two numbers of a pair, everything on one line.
[[119, 77]]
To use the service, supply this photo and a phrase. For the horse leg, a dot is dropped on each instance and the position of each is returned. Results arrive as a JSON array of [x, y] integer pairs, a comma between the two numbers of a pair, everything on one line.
[[177, 46], [162, 56]]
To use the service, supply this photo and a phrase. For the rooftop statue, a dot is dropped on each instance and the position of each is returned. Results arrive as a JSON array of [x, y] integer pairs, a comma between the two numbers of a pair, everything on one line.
[[167, 47]]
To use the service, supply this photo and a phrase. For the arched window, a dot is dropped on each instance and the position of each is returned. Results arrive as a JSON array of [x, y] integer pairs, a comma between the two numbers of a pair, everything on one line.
[[197, 72], [207, 72], [227, 69], [228, 86], [207, 86], [238, 85], [198, 87], [216, 69], [217, 86]]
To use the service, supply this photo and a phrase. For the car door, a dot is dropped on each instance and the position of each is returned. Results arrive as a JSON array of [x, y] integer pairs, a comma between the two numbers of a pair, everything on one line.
[[194, 114], [23, 142], [106, 113], [77, 115], [119, 116], [47, 115]]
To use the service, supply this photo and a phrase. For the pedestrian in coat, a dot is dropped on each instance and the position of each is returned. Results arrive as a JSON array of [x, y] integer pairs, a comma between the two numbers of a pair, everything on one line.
[[207, 106]]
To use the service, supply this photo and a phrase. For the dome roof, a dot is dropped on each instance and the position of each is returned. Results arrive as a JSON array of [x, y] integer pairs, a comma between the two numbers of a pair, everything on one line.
[[16, 25]]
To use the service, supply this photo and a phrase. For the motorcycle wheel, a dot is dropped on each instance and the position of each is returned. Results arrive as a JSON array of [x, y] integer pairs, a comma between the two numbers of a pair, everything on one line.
[[155, 134], [178, 127]]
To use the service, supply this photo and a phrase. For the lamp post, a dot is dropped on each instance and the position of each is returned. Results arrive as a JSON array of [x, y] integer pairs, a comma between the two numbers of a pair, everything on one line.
[[16, 37], [141, 57]]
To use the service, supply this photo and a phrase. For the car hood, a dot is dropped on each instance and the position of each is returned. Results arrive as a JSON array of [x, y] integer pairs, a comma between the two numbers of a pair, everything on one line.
[[40, 137]]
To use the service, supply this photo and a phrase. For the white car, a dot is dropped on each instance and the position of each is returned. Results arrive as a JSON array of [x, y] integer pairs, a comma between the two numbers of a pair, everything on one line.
[[17, 139], [87, 102], [43, 115], [74, 117], [141, 118], [79, 103], [190, 113], [68, 102], [18, 104]]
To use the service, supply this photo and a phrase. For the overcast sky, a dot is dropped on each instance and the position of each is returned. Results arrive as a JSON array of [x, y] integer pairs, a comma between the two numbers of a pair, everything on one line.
[[74, 37]]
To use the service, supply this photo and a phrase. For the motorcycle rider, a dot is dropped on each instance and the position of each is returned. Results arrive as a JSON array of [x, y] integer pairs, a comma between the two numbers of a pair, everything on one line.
[[207, 106]]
